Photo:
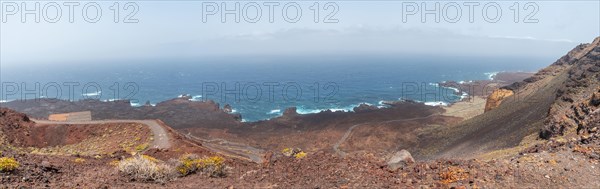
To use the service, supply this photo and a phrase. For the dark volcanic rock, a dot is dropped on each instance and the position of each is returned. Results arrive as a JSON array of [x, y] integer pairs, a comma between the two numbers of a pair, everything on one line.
[[177, 113], [227, 108], [364, 107], [148, 104], [290, 112], [595, 100]]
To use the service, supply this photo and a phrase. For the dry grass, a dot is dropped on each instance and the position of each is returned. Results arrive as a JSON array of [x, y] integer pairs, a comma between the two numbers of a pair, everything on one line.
[[146, 168], [79, 160]]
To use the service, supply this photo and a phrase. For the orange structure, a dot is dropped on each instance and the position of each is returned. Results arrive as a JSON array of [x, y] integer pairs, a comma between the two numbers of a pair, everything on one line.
[[73, 116]]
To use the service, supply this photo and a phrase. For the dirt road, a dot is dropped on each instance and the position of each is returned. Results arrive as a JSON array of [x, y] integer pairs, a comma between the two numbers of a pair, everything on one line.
[[161, 138], [232, 149], [336, 146]]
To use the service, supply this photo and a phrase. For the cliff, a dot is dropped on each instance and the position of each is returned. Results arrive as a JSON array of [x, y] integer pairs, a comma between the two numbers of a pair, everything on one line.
[[496, 98]]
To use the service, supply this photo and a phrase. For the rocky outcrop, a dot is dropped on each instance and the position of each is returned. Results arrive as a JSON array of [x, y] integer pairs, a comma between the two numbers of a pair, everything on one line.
[[578, 97], [496, 98], [227, 108], [290, 112], [364, 108], [595, 100], [400, 159], [14, 127]]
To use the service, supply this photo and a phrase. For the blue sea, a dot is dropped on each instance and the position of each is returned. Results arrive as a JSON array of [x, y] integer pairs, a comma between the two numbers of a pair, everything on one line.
[[262, 87]]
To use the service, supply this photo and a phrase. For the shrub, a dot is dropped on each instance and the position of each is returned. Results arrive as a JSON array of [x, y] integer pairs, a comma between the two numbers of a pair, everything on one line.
[[296, 153], [213, 166], [150, 158], [287, 152], [8, 164], [187, 164], [300, 155], [141, 147], [146, 168], [190, 163], [114, 163], [79, 160]]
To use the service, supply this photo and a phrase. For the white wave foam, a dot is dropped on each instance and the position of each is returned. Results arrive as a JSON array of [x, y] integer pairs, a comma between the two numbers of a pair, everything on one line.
[[436, 103], [275, 111], [491, 75], [196, 98], [92, 94], [135, 104], [350, 108], [454, 89], [308, 111], [464, 95]]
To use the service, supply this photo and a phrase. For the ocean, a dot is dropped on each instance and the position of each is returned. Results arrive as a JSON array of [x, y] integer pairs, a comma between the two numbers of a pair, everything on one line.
[[262, 87]]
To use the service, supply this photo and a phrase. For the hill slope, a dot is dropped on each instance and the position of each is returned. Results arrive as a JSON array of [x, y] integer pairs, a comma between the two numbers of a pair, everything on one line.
[[536, 105]]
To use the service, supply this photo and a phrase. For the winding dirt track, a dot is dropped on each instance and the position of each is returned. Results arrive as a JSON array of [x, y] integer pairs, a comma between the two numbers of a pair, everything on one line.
[[161, 138], [232, 149], [336, 147]]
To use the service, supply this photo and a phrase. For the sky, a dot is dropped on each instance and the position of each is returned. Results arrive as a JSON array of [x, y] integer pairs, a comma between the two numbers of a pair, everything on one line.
[[191, 30]]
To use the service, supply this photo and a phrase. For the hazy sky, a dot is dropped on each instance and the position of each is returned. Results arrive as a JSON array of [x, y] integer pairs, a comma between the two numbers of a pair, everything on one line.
[[175, 30]]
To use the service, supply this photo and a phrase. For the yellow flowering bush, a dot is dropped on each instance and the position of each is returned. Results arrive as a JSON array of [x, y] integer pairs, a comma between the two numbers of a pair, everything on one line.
[[296, 153], [190, 163], [287, 152], [8, 164], [300, 155]]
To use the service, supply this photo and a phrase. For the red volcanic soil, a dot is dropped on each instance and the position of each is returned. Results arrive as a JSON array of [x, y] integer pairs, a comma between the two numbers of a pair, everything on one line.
[[497, 149], [547, 165], [58, 135], [19, 131], [311, 132], [377, 130]]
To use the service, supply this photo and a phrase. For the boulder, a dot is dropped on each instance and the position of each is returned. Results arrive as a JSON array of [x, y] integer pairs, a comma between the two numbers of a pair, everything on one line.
[[595, 100], [148, 104], [400, 159], [290, 112], [227, 108]]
